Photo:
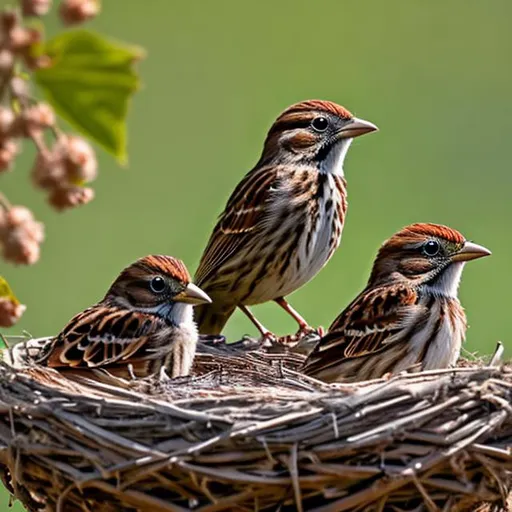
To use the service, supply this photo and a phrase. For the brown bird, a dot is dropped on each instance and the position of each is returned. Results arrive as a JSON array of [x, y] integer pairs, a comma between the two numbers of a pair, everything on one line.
[[143, 324], [284, 220], [408, 316]]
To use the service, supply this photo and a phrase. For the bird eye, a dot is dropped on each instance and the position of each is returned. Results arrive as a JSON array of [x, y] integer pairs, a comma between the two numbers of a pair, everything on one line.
[[157, 285], [431, 248], [320, 124]]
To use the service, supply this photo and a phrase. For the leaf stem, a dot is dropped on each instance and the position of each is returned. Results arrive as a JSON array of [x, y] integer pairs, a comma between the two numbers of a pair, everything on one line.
[[4, 82], [38, 140], [4, 202]]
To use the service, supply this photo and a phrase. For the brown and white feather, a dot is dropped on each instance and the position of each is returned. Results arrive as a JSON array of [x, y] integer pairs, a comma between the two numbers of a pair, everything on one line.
[[408, 317], [283, 221], [133, 330]]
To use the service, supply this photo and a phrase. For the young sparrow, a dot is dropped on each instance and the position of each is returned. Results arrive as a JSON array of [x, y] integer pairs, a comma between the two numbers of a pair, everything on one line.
[[407, 316], [143, 324], [284, 220]]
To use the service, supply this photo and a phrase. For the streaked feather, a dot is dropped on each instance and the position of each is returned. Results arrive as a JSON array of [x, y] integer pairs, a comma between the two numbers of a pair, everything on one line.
[[408, 316], [283, 221]]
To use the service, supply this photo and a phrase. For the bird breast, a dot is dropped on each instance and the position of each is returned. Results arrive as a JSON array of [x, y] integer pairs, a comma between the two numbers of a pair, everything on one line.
[[184, 341], [311, 231], [437, 341]]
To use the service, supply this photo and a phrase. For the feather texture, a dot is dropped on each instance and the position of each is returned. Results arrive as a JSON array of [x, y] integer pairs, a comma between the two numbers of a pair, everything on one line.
[[284, 220], [408, 316], [138, 328]]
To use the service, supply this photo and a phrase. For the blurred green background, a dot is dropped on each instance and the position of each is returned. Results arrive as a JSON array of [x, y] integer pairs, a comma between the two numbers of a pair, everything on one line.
[[435, 76]]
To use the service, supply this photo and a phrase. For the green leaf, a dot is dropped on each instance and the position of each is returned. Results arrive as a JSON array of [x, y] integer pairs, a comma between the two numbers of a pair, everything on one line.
[[6, 292], [89, 83]]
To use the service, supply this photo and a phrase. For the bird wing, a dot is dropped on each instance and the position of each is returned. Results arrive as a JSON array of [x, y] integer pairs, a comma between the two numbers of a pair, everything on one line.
[[244, 214], [374, 320], [102, 335]]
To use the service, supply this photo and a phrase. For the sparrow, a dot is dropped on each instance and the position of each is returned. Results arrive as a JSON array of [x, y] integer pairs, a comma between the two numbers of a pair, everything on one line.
[[284, 220], [408, 316], [143, 324]]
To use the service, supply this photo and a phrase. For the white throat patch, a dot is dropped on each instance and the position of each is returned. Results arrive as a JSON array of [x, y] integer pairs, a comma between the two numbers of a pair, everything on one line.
[[333, 163], [448, 283]]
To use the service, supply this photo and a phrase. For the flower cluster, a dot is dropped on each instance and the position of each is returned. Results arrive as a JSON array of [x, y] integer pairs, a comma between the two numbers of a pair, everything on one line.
[[10, 311], [64, 163], [20, 235], [64, 169], [70, 11]]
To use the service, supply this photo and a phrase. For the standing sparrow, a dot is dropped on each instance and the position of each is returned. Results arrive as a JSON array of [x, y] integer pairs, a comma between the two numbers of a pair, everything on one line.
[[407, 316], [143, 324], [284, 220]]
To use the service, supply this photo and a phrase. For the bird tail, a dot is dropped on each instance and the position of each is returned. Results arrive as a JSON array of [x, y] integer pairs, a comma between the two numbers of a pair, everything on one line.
[[211, 318]]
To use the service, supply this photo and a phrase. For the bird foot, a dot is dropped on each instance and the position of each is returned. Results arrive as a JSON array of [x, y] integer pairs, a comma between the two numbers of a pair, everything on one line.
[[302, 342], [268, 339], [163, 376], [212, 339], [307, 343], [304, 332]]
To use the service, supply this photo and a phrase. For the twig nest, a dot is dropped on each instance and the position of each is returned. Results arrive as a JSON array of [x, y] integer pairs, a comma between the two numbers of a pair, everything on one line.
[[248, 432]]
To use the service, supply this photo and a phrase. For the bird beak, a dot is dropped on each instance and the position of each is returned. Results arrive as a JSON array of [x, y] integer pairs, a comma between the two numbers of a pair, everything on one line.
[[192, 294], [471, 251], [356, 127]]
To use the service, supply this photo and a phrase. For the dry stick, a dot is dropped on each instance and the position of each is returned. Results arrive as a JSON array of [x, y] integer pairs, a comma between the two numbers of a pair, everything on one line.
[[232, 500], [485, 386], [485, 462], [294, 474], [426, 498], [136, 499]]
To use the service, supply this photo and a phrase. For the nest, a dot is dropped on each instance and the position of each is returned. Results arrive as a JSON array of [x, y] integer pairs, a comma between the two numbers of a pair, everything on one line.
[[248, 432]]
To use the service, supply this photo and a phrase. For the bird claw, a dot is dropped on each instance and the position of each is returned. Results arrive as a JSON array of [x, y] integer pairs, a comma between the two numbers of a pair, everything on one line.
[[163, 376], [268, 339], [212, 339], [305, 332]]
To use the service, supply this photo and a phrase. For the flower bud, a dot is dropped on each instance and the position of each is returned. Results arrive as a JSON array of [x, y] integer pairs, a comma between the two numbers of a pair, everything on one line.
[[19, 249], [8, 20], [20, 235], [21, 38], [77, 11], [6, 121], [34, 231], [20, 87], [37, 117], [35, 7], [10, 311], [79, 159], [39, 62], [18, 215], [6, 61], [42, 114], [8, 150], [72, 196], [48, 171]]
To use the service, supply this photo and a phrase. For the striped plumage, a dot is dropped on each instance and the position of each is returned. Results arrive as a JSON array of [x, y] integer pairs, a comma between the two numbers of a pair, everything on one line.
[[408, 316], [284, 220], [144, 322]]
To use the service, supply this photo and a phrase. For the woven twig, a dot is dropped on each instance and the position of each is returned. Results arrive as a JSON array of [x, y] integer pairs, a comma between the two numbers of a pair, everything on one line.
[[248, 432]]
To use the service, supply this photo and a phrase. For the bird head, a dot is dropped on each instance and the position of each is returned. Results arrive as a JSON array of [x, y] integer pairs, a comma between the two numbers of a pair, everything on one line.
[[155, 284], [313, 132], [427, 255]]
